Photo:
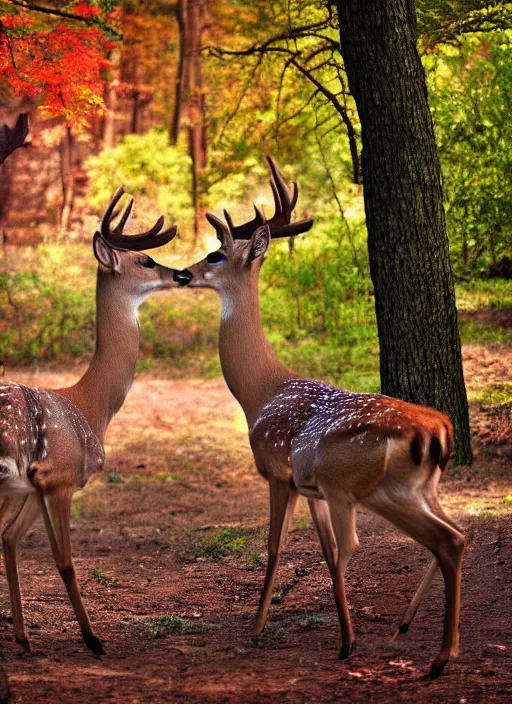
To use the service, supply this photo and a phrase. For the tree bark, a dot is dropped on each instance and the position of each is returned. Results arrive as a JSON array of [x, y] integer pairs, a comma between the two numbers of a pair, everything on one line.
[[109, 124], [420, 352], [189, 102], [68, 179]]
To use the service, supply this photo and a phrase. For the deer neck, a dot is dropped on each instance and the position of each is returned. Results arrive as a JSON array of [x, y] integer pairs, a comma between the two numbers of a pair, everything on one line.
[[100, 393], [252, 370]]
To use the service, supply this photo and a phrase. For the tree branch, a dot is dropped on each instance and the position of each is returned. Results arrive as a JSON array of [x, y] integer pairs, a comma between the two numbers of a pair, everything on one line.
[[342, 111], [91, 21]]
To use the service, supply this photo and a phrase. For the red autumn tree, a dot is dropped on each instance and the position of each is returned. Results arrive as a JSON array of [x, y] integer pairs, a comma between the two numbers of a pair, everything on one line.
[[58, 64]]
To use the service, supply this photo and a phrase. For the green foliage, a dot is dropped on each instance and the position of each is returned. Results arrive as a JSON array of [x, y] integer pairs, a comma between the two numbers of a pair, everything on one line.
[[229, 541], [471, 101], [103, 579], [318, 310], [478, 294], [113, 478], [157, 174], [44, 315], [162, 626], [493, 395]]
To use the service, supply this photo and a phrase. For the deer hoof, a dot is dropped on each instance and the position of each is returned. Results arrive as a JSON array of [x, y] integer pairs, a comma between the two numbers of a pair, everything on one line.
[[436, 668], [346, 650], [25, 644], [93, 643]]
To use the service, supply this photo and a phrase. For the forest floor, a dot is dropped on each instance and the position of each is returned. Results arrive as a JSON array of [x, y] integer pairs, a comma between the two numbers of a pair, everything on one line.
[[169, 544]]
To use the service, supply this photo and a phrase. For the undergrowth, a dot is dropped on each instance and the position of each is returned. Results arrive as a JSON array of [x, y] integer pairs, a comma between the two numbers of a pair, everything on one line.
[[317, 310]]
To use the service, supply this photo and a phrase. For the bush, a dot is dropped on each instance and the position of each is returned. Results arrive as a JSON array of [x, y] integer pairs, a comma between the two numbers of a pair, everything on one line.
[[159, 175]]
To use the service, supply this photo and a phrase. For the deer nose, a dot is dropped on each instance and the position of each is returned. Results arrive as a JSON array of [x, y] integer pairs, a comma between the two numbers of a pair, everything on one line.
[[183, 277]]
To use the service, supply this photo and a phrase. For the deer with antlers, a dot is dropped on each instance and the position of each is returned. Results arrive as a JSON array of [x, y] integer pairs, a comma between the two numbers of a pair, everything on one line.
[[51, 441], [336, 448]]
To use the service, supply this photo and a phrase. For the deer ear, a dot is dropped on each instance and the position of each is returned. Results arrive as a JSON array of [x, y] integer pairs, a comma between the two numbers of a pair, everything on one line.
[[104, 253], [260, 242]]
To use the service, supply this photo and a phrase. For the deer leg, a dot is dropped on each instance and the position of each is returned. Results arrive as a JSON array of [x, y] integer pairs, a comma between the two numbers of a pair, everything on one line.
[[11, 536], [56, 510], [343, 517], [418, 597], [322, 522], [283, 498], [447, 545], [429, 576]]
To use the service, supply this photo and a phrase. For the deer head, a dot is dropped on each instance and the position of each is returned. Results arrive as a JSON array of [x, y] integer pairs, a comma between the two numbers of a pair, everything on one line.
[[120, 257], [243, 246]]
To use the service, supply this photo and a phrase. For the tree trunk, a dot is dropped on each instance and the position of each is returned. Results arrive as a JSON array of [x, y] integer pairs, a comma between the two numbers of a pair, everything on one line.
[[109, 124], [68, 179], [420, 353], [189, 93]]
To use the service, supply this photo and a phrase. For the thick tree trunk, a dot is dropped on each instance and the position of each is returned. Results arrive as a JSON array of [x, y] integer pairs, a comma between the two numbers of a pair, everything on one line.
[[408, 246]]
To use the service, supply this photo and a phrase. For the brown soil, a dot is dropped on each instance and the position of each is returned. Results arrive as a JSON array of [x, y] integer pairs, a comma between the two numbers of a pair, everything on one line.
[[181, 450]]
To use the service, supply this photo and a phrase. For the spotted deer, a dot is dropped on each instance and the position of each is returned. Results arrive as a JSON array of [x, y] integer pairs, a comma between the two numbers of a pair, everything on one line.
[[51, 441], [335, 447]]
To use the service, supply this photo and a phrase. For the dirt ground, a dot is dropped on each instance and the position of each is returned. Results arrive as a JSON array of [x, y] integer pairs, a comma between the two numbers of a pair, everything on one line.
[[179, 471]]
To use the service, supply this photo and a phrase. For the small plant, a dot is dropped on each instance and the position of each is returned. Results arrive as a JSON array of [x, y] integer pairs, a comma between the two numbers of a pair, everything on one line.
[[162, 626], [230, 541], [272, 636], [113, 478], [302, 521], [103, 579], [311, 620]]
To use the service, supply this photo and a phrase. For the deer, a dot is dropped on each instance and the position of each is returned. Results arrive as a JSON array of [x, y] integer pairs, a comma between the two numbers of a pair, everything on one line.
[[337, 448], [52, 441]]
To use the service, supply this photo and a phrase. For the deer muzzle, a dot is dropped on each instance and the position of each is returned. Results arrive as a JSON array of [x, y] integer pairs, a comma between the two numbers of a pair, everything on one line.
[[183, 277]]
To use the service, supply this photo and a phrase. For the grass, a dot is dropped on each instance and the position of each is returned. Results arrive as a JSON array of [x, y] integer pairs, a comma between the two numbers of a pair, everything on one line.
[[490, 507], [102, 578], [232, 542], [475, 332], [113, 478], [318, 316], [311, 620], [226, 543], [162, 626], [489, 293], [492, 395]]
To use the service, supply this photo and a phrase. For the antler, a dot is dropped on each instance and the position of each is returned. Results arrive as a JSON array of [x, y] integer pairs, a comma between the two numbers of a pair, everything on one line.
[[145, 240], [223, 231], [285, 199]]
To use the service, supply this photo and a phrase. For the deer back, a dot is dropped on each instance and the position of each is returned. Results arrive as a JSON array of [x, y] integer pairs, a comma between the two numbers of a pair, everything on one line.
[[41, 431]]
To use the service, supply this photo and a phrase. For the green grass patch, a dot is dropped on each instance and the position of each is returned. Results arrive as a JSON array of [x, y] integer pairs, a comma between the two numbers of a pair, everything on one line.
[[484, 293], [301, 521], [102, 578], [473, 331], [162, 626], [493, 395], [490, 507], [113, 478], [310, 621], [232, 542]]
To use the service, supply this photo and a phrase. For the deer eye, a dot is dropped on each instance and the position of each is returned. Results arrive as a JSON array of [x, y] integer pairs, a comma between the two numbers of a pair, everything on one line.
[[216, 257], [148, 263]]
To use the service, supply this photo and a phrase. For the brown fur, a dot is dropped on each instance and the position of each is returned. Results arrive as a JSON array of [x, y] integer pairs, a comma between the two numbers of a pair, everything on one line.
[[332, 446], [52, 441]]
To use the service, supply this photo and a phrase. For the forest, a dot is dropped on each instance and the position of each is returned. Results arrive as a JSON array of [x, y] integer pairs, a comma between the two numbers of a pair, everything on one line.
[[180, 102]]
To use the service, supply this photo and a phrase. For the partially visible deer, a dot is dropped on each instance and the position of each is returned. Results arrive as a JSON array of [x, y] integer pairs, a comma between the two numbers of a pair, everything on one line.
[[335, 447], [51, 442]]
